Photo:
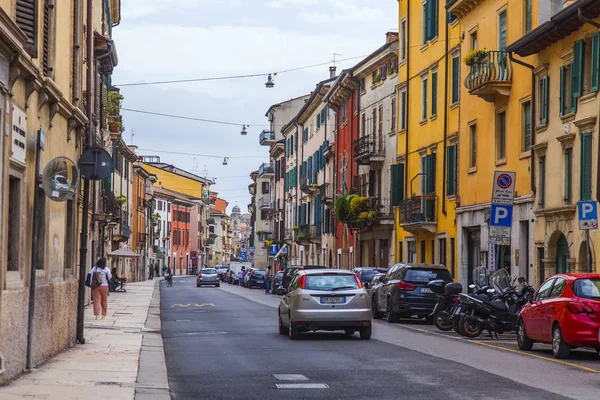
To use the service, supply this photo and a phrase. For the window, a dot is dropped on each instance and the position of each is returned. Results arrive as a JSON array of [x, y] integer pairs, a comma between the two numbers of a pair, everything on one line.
[[424, 29], [569, 176], [543, 99], [455, 79], [362, 85], [432, 250], [394, 112], [403, 40], [473, 40], [363, 125], [451, 170], [265, 187], [502, 31], [374, 121], [403, 109], [27, 22], [558, 287], [380, 125], [586, 166], [595, 63], [526, 126], [344, 112], [544, 291], [14, 223], [501, 135], [542, 184], [442, 247], [423, 246], [473, 146], [528, 15], [424, 88], [400, 250], [412, 252], [567, 102], [431, 19], [434, 76]]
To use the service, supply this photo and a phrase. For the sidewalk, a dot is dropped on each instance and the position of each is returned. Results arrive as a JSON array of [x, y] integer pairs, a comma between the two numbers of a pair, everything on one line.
[[108, 365]]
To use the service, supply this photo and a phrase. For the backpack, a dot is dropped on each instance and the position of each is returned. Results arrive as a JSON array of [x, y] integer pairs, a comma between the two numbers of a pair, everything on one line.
[[96, 279]]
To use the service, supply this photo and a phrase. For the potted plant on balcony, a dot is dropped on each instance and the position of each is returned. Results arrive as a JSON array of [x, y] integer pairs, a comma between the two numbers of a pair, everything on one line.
[[475, 57], [294, 228], [315, 185], [377, 79], [121, 199]]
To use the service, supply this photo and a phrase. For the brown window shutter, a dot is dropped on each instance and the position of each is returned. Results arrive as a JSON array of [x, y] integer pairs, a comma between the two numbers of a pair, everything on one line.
[[26, 21], [46, 65]]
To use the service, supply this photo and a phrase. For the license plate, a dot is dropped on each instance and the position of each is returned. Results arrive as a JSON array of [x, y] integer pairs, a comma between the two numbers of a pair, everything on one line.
[[426, 290], [333, 300]]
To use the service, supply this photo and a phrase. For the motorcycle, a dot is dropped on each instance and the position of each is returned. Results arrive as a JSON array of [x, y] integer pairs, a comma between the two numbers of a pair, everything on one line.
[[497, 314], [448, 299]]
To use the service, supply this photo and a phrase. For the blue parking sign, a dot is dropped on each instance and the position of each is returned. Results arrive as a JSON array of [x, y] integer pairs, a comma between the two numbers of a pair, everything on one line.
[[243, 255], [501, 215], [587, 211]]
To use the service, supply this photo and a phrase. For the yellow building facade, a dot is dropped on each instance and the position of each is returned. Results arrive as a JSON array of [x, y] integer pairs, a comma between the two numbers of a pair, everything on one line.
[[496, 132], [428, 107], [172, 178], [567, 76]]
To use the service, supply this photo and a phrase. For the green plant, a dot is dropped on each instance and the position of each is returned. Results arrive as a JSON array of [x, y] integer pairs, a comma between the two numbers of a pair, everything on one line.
[[120, 199], [294, 228], [391, 71], [474, 56], [377, 79], [113, 106], [342, 208], [358, 204], [366, 215]]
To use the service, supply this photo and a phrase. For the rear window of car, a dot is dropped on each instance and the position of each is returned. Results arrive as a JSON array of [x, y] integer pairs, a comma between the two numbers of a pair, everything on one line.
[[427, 275], [368, 274], [259, 273], [209, 271], [587, 288], [330, 282], [279, 274]]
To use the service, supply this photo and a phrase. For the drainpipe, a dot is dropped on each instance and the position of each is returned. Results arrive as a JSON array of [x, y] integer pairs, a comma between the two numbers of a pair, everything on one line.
[[406, 164], [445, 149], [533, 117], [357, 82]]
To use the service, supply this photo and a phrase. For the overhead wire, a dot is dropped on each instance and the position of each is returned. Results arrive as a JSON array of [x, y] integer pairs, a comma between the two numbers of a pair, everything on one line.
[[200, 155]]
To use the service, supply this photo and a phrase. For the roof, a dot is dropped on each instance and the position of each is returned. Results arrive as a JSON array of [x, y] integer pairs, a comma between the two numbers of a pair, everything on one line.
[[308, 102], [283, 102], [561, 25], [577, 275], [175, 195], [178, 171]]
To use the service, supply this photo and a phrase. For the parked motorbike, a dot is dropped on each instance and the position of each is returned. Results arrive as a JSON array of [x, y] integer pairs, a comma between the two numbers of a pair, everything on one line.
[[448, 298], [497, 314]]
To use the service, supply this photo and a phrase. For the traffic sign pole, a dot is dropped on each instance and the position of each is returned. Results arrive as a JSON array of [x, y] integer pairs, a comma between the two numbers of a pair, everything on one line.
[[588, 250]]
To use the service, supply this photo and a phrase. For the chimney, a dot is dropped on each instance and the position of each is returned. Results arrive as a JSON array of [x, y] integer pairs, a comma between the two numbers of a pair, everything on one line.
[[332, 71], [391, 37]]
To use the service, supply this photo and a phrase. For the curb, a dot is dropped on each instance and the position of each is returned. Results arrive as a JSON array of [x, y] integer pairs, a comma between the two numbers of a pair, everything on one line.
[[152, 381]]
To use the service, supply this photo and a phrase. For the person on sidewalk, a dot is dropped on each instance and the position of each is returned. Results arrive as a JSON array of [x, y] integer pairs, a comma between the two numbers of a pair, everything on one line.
[[241, 276], [100, 293], [268, 281], [150, 273]]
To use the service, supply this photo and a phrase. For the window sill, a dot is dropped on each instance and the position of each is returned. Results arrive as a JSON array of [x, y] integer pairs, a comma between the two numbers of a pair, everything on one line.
[[434, 40], [402, 63], [423, 122], [451, 197], [433, 117], [454, 23], [588, 98], [402, 131], [525, 154], [568, 117], [501, 161], [392, 76], [424, 47], [454, 105], [343, 124], [472, 170], [541, 128]]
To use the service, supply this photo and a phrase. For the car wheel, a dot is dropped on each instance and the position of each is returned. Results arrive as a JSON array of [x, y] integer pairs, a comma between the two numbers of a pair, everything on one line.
[[376, 313], [365, 333], [293, 332], [470, 329], [559, 348], [349, 331], [282, 330], [390, 315], [523, 340], [217, 285], [443, 324]]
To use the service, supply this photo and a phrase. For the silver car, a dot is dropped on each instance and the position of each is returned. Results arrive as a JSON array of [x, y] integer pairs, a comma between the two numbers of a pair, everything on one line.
[[208, 276], [325, 299]]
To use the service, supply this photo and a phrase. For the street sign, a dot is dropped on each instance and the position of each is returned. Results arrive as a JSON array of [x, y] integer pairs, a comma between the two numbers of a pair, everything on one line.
[[587, 211], [284, 250], [503, 191], [251, 254], [274, 248], [501, 215], [243, 255], [251, 248]]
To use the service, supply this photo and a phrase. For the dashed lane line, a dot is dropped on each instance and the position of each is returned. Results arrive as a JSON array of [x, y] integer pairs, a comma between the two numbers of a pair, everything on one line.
[[302, 386], [290, 377]]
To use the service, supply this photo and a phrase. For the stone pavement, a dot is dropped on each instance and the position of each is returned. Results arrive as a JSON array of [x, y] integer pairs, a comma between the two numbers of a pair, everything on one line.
[[123, 357]]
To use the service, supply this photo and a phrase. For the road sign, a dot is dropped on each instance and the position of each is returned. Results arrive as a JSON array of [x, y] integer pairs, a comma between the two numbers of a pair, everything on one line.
[[251, 248], [284, 250], [587, 211], [274, 249], [243, 255], [501, 215], [251, 254], [503, 191]]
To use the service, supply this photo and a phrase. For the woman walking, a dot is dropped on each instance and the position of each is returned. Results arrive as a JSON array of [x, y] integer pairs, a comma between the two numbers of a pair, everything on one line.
[[100, 293]]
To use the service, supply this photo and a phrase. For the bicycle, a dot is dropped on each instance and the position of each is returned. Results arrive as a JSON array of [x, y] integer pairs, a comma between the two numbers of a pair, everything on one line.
[[169, 280]]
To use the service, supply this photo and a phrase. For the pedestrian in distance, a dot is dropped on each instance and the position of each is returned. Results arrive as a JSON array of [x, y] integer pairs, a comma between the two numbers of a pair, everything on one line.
[[507, 266], [150, 273], [268, 281], [156, 270], [169, 276], [100, 278]]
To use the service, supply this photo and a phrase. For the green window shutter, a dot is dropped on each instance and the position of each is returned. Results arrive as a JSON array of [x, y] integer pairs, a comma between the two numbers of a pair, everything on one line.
[[449, 16], [455, 78], [528, 16], [562, 95], [569, 176], [397, 184], [542, 188], [434, 76], [502, 31], [595, 67], [287, 148], [296, 141], [544, 95], [318, 120], [527, 126], [429, 20], [586, 166], [577, 69], [291, 145], [451, 170]]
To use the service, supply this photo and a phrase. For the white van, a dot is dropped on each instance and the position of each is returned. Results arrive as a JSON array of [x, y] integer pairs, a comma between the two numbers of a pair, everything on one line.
[[235, 268]]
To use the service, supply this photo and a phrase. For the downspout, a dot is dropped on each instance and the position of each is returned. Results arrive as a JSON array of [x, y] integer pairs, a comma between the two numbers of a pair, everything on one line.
[[597, 25], [357, 82], [533, 117], [445, 166], [406, 164], [297, 180]]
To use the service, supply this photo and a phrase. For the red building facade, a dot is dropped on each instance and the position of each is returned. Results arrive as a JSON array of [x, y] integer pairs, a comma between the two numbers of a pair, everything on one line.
[[180, 236]]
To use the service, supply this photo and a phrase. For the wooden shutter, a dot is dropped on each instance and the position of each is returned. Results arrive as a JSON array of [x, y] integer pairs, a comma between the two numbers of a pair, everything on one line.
[[595, 67], [455, 78], [449, 16], [527, 126], [296, 141], [318, 120], [397, 184], [434, 93], [46, 61], [502, 31], [27, 21], [451, 171], [562, 95], [577, 69], [586, 166], [431, 11], [544, 96]]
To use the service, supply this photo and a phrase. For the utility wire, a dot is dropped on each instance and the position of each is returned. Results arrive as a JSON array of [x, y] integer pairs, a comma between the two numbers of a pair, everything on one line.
[[182, 117], [199, 155]]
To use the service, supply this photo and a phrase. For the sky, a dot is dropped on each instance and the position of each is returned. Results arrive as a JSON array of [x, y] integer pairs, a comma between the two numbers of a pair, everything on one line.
[[160, 40]]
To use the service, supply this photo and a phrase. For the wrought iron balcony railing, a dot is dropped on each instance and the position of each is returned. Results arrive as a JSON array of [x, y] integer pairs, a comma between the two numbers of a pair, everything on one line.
[[369, 148], [490, 73], [266, 169]]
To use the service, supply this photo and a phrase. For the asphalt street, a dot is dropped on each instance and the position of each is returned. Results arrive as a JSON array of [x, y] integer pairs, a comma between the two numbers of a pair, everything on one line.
[[223, 344]]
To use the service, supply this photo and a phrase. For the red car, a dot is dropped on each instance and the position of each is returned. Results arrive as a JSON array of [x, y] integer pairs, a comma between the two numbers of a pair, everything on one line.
[[565, 311]]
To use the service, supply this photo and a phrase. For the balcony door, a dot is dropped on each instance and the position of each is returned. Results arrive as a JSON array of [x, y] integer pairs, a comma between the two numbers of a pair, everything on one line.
[[502, 56]]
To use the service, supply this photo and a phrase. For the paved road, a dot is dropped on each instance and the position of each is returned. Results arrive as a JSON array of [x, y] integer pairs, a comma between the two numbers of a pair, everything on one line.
[[223, 344]]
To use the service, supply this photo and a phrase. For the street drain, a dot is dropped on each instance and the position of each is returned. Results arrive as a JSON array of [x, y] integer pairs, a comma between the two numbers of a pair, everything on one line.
[[302, 386]]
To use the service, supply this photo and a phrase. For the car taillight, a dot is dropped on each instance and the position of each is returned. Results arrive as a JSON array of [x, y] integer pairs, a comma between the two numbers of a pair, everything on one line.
[[358, 281], [406, 286], [200, 276], [576, 307], [302, 282], [455, 300]]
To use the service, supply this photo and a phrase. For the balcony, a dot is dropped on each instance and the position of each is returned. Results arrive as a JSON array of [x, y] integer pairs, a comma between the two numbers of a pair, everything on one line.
[[419, 214], [307, 234], [209, 242], [490, 75], [384, 211], [326, 194], [122, 232], [289, 234], [369, 149], [265, 170], [264, 203], [307, 187], [211, 231], [263, 236], [142, 237], [267, 138]]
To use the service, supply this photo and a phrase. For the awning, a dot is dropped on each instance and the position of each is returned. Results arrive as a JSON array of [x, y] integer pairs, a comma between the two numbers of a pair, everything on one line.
[[123, 253]]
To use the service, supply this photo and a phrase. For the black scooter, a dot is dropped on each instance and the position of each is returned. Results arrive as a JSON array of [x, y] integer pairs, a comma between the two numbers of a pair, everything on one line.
[[447, 294]]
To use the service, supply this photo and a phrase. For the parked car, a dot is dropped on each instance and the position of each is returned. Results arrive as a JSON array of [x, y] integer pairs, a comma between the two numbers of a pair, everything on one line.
[[366, 274], [330, 300], [222, 271], [374, 284], [276, 281], [565, 311], [291, 271], [256, 278], [208, 276], [404, 293]]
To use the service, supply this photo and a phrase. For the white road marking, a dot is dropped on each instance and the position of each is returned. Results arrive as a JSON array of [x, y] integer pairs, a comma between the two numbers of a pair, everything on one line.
[[290, 377], [302, 386]]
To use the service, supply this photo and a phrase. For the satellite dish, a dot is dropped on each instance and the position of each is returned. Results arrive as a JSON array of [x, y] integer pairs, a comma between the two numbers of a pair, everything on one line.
[[95, 164], [60, 179]]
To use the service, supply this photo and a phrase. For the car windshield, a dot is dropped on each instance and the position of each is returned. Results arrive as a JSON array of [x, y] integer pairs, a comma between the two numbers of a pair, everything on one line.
[[427, 275], [368, 274], [587, 288], [209, 271], [259, 273], [330, 282]]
